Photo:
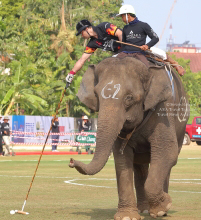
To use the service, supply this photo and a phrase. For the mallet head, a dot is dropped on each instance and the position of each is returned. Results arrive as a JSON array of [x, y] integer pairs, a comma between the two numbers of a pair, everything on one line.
[[12, 212]]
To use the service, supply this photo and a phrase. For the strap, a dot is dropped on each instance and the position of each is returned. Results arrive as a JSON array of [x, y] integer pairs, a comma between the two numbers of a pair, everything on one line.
[[128, 136]]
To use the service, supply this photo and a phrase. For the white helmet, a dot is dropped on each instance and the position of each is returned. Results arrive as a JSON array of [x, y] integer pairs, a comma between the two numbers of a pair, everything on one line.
[[126, 9]]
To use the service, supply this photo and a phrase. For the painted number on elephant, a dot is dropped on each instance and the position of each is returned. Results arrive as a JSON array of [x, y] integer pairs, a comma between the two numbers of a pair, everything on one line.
[[110, 87]]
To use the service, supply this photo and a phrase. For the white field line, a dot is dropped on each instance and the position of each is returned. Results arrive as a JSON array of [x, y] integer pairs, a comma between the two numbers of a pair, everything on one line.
[[45, 177], [185, 182], [81, 160], [80, 184], [184, 191], [190, 158], [185, 179], [44, 160], [72, 181]]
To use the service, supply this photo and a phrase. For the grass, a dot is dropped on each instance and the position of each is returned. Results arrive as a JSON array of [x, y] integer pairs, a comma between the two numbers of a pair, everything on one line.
[[52, 198]]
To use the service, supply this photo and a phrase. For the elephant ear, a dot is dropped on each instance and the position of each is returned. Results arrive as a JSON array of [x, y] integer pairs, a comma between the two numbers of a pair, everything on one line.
[[159, 90], [86, 92]]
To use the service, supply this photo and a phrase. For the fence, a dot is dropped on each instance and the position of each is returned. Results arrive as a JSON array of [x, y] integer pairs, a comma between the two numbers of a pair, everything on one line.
[[76, 138], [32, 131]]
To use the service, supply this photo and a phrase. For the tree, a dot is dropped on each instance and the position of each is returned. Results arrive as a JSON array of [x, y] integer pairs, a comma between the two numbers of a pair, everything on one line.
[[45, 48], [191, 82], [21, 93], [10, 8]]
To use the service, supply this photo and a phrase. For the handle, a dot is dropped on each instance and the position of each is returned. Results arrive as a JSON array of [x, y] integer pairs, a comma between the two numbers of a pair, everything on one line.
[[129, 44], [67, 85]]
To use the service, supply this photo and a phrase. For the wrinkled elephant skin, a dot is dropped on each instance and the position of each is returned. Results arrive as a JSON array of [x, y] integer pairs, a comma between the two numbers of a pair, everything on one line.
[[124, 91]]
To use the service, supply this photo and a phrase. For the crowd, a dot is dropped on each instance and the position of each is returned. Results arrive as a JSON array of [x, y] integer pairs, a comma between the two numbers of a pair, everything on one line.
[[84, 125]]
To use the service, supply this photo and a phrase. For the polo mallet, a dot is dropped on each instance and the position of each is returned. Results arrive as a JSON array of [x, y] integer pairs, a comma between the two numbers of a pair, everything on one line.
[[133, 45], [58, 107]]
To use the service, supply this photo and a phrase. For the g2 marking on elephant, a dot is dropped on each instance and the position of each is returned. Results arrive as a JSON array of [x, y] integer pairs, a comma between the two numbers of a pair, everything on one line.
[[116, 86]]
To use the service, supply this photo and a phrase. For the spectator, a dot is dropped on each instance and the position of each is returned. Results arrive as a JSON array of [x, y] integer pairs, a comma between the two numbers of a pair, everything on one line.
[[1, 149], [86, 125], [5, 128], [80, 122], [55, 137]]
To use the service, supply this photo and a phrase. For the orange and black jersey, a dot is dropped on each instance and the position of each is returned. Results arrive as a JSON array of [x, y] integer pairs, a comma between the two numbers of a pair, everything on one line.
[[106, 31]]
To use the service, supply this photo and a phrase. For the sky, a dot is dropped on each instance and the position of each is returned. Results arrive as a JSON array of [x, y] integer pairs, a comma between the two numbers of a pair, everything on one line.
[[185, 19]]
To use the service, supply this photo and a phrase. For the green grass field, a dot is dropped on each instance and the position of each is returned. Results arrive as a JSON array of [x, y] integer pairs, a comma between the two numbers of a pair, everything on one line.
[[59, 192]]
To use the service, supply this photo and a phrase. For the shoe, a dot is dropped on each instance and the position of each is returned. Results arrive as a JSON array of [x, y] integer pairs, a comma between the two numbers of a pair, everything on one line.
[[180, 70], [55, 151], [175, 65]]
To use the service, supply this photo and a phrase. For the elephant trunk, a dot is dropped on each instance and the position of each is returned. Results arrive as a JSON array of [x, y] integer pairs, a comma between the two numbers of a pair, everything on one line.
[[107, 132]]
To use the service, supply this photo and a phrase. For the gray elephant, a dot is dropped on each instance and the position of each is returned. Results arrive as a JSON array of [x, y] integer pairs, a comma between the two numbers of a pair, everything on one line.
[[142, 117]]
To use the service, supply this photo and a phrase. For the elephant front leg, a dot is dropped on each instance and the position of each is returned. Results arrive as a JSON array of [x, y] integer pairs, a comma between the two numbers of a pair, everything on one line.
[[162, 160], [127, 209], [140, 176]]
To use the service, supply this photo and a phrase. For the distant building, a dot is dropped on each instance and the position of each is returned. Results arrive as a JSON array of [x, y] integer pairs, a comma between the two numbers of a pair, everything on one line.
[[185, 47], [185, 50]]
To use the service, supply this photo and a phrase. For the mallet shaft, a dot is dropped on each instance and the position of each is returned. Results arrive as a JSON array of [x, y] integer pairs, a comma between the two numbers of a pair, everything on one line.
[[133, 45], [24, 205], [57, 110], [158, 59]]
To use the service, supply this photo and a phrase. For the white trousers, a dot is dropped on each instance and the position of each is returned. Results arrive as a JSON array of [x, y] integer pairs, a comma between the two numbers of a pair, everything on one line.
[[6, 140]]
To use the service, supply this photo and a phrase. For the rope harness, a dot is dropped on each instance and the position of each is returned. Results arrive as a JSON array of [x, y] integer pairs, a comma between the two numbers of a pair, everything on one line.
[[128, 136]]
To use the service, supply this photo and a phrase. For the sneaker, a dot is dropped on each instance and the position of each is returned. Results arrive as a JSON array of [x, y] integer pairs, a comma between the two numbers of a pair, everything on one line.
[[180, 70]]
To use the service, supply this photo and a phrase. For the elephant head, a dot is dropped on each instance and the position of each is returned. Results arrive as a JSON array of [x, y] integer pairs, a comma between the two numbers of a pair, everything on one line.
[[121, 90]]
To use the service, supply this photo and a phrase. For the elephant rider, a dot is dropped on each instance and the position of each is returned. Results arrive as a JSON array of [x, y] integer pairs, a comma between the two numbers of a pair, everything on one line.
[[100, 37], [136, 32]]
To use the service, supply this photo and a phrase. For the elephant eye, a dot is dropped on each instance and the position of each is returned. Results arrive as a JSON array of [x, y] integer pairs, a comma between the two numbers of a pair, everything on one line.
[[128, 100]]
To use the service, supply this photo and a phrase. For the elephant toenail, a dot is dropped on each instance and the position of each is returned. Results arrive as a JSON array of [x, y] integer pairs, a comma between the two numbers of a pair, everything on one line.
[[118, 218], [152, 215], [126, 218], [145, 211], [134, 219], [161, 213]]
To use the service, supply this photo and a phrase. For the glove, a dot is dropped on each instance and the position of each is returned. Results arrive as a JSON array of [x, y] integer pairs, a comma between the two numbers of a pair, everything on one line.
[[69, 77], [108, 44]]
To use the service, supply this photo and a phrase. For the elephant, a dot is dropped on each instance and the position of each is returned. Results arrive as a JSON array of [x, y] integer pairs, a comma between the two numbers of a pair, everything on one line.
[[142, 115]]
